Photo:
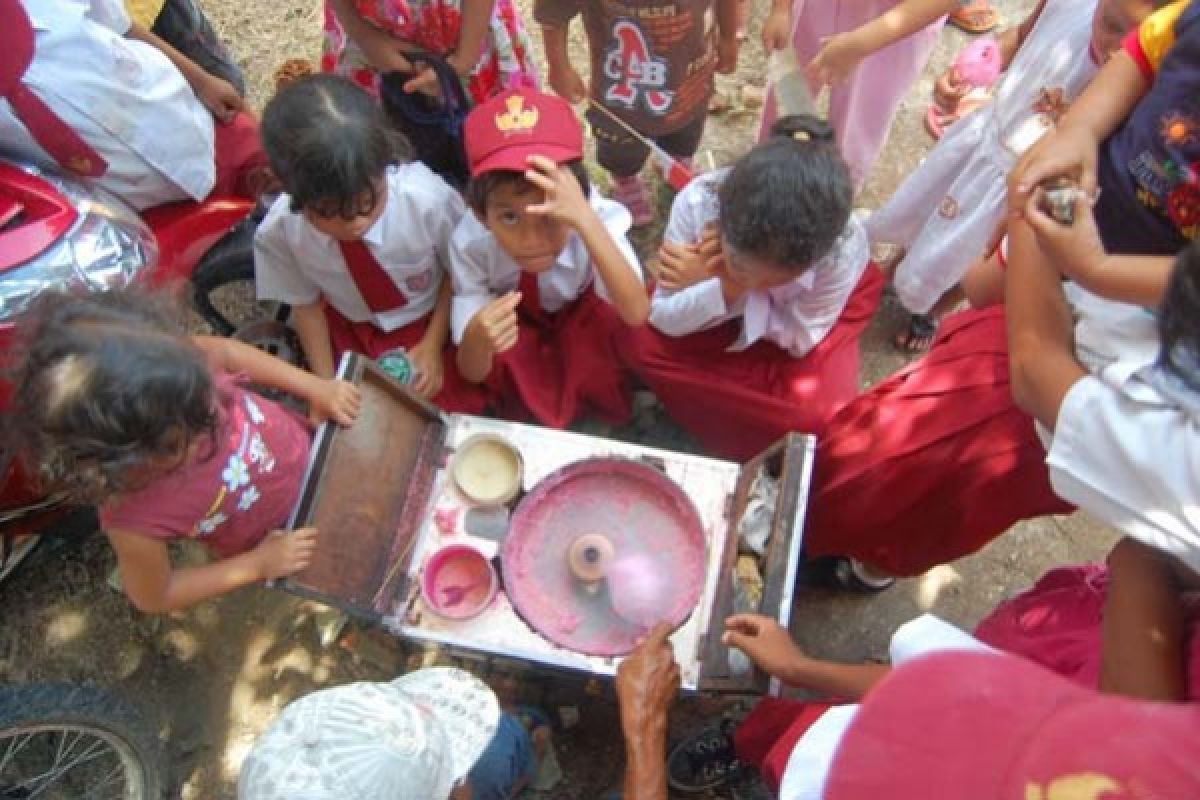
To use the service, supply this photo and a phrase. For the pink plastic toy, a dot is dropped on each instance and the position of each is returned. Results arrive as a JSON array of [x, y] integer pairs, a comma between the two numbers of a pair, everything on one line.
[[980, 63]]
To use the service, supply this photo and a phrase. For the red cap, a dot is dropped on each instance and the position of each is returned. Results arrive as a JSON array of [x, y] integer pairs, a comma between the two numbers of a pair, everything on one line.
[[988, 726], [512, 126]]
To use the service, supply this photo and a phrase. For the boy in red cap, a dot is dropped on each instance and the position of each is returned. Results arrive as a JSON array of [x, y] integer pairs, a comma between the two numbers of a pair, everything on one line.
[[543, 274]]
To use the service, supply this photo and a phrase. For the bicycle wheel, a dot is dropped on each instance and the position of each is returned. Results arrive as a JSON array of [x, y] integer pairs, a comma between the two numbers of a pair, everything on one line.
[[64, 742]]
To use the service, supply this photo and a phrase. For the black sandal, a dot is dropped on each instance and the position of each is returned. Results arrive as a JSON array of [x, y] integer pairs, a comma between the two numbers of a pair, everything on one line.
[[845, 574], [918, 336], [704, 761]]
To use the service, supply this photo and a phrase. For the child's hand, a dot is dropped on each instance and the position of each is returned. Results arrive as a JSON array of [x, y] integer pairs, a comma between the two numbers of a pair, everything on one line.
[[336, 400], [1065, 151], [1076, 250], [732, 288], [496, 324], [564, 200], [426, 357], [777, 30], [567, 83], [220, 97], [727, 53], [383, 51], [767, 643], [285, 553], [681, 265], [839, 56]]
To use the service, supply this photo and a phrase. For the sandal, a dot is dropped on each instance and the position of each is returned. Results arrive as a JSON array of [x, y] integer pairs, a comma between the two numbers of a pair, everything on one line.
[[917, 336], [975, 16], [704, 761], [846, 574], [937, 120]]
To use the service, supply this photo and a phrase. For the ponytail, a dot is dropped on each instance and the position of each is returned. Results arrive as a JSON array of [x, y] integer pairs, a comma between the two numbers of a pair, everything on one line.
[[1179, 319], [804, 129]]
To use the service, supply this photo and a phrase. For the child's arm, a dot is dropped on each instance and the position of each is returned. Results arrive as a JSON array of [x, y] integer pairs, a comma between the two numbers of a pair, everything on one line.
[[563, 78], [727, 39], [217, 94], [427, 354], [492, 331], [1144, 631], [842, 52], [384, 52], [312, 329], [566, 203], [770, 647], [154, 587], [327, 399], [476, 22], [777, 27]]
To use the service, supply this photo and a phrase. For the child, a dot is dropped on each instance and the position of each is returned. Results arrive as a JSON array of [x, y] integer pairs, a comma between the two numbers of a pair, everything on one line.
[[117, 109], [868, 51], [115, 405], [766, 284], [543, 274], [652, 68], [359, 244], [946, 212]]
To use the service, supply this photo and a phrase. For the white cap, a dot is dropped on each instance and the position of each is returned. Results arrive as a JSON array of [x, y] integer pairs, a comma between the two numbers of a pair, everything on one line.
[[411, 739]]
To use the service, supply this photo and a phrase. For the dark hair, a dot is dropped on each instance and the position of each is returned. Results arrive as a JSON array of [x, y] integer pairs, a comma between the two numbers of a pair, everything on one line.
[[1179, 318], [788, 199], [480, 188], [107, 383], [329, 142]]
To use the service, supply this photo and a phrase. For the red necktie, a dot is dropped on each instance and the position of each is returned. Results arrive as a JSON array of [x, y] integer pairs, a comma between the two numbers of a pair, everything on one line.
[[531, 298], [377, 288]]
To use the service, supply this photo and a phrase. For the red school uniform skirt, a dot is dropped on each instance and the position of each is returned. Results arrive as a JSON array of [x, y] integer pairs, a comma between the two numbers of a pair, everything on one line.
[[457, 395], [933, 463], [739, 403], [563, 364]]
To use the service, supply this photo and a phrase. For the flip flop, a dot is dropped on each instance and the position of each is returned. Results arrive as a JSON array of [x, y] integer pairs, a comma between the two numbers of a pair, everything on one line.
[[917, 336], [937, 119], [949, 90], [975, 16]]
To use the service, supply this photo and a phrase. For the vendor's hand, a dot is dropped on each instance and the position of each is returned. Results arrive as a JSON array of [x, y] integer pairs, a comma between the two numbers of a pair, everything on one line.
[[495, 325], [334, 399], [220, 97], [727, 53], [1076, 249], [767, 643], [426, 357], [568, 84], [285, 553], [647, 683], [776, 30], [1068, 151], [840, 55], [564, 201], [683, 265]]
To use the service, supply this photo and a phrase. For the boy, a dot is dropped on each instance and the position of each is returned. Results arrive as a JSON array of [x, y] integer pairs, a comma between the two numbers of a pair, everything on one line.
[[542, 270], [652, 67]]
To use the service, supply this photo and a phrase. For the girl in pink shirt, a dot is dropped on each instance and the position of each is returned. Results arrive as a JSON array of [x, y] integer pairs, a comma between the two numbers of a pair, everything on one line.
[[116, 405]]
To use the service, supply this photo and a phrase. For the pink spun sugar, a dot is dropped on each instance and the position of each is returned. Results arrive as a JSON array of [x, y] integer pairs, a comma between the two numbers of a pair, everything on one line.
[[638, 589]]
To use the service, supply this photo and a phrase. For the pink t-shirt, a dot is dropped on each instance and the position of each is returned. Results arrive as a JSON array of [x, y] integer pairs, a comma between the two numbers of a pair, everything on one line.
[[230, 498]]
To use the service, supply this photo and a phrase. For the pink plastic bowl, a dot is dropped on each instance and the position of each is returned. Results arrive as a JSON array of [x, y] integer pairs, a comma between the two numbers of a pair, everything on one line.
[[459, 582]]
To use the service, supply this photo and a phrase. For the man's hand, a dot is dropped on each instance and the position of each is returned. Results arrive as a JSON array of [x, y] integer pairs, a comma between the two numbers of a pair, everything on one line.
[[426, 357], [647, 684], [285, 553], [765, 642], [681, 265], [334, 399], [220, 97], [777, 30], [727, 53], [564, 201], [840, 55], [494, 327], [567, 83]]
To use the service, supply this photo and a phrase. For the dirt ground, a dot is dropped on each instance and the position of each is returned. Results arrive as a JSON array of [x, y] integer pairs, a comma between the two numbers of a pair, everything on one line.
[[215, 676]]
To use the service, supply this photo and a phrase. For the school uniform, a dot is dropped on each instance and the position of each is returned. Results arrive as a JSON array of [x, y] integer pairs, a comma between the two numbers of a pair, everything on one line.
[[378, 292], [739, 376], [565, 359]]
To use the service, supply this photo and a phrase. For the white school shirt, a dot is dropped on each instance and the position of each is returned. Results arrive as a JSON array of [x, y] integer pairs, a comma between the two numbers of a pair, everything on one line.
[[482, 271], [807, 769], [796, 316], [123, 97], [297, 264]]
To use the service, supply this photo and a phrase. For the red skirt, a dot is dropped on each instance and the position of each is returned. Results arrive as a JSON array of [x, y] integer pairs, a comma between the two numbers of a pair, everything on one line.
[[933, 463], [563, 365], [241, 162], [739, 403], [457, 395], [766, 738]]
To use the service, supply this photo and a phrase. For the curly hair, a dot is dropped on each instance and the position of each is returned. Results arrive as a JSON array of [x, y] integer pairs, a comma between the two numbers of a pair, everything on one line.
[[108, 392], [330, 143], [788, 199], [1179, 319]]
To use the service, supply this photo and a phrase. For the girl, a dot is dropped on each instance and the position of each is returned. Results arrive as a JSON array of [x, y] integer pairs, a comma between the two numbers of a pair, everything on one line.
[[359, 244], [945, 213], [483, 40], [115, 405], [765, 287], [868, 51]]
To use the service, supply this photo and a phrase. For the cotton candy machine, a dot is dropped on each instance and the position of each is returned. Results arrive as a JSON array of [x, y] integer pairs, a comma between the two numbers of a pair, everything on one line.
[[602, 540]]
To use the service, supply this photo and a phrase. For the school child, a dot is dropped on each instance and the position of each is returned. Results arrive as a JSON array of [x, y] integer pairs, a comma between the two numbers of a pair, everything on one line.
[[543, 274], [359, 244], [869, 53], [766, 284], [116, 405], [947, 211], [906, 497], [652, 66], [112, 105]]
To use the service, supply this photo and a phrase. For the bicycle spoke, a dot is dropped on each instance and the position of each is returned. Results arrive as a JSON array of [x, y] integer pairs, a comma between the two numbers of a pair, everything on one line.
[[11, 752]]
